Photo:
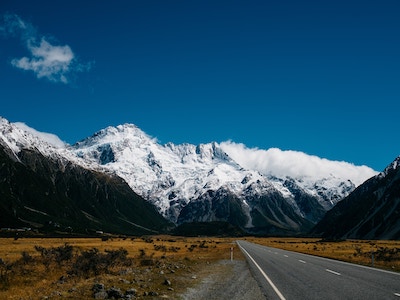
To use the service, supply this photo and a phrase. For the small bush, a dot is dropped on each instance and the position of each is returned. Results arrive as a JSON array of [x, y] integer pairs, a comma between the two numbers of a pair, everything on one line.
[[174, 249], [160, 248], [191, 248], [58, 255], [92, 262], [387, 254], [5, 269], [147, 239], [147, 262], [203, 245], [26, 258], [88, 263]]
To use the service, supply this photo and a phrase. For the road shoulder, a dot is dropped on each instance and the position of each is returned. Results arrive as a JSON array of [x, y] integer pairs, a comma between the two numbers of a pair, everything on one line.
[[226, 280]]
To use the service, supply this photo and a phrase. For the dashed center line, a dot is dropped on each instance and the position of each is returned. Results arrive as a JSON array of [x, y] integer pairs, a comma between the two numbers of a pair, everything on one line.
[[397, 294], [302, 261], [333, 272], [286, 255]]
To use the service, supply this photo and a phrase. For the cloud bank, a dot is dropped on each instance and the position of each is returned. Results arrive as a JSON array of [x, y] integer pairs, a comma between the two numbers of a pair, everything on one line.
[[53, 62], [294, 164]]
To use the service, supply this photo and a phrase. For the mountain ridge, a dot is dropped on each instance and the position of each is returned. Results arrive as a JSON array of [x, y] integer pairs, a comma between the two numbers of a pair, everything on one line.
[[47, 192], [179, 178], [372, 211]]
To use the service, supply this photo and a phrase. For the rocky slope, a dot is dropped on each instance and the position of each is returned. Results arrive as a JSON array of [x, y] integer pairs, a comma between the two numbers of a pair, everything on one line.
[[52, 194], [372, 211]]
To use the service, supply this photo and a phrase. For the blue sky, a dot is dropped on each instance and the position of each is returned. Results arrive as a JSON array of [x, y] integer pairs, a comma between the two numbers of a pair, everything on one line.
[[321, 77]]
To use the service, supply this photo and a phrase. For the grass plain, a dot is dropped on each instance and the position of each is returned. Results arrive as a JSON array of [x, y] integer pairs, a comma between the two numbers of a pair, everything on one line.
[[154, 266]]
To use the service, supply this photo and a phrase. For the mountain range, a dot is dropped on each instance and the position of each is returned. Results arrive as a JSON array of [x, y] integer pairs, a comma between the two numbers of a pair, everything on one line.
[[259, 191]]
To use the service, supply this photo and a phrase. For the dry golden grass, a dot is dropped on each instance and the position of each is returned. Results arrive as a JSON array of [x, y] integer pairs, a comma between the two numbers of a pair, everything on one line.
[[183, 261]]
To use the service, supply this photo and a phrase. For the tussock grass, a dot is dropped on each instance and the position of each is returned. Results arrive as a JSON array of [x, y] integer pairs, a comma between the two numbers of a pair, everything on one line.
[[35, 268]]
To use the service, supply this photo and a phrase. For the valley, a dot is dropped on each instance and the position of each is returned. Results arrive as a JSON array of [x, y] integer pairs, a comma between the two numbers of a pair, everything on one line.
[[151, 267]]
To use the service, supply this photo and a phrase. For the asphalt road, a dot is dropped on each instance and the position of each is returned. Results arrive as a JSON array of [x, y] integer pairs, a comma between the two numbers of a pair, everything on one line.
[[290, 275]]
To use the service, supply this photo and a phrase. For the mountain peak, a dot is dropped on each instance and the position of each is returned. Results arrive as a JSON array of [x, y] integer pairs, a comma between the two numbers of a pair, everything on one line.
[[391, 167], [115, 134]]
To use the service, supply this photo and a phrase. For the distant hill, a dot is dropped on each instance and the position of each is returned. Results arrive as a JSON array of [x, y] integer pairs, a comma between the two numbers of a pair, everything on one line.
[[372, 211]]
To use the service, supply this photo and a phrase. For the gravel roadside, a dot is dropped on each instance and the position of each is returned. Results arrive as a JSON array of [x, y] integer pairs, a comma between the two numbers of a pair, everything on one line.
[[226, 280]]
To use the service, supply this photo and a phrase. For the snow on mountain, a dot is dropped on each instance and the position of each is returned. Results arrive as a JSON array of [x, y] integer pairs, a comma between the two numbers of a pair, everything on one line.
[[18, 135], [329, 180], [173, 176], [50, 138], [390, 168], [168, 175]]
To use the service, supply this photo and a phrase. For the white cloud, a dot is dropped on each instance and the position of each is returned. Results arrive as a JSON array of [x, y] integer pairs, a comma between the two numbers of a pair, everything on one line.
[[50, 138], [51, 62], [294, 164], [46, 60]]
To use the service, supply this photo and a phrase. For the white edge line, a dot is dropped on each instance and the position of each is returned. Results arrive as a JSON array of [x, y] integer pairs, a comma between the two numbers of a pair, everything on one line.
[[263, 273], [333, 272]]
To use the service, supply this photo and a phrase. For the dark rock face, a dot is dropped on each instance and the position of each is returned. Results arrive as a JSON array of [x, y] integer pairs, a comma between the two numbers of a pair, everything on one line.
[[220, 205], [269, 214], [308, 205], [372, 211]]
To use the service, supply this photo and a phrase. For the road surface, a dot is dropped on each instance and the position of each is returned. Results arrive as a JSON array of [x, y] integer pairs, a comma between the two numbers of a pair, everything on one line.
[[290, 275]]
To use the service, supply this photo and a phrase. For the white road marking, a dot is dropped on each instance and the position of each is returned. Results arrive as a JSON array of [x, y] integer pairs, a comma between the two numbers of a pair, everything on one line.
[[397, 294], [302, 261], [265, 275], [286, 255], [333, 272]]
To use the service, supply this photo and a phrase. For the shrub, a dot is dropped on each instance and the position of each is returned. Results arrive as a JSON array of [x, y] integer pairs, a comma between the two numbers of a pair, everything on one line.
[[89, 262], [5, 269], [58, 255], [26, 258], [92, 262], [387, 254], [147, 239], [160, 248]]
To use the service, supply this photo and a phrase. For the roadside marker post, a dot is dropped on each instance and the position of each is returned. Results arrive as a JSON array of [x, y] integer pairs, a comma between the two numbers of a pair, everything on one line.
[[231, 253]]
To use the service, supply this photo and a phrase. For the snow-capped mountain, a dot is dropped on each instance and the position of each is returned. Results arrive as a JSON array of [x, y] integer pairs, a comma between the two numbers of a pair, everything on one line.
[[177, 178], [43, 190], [208, 182], [170, 176]]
